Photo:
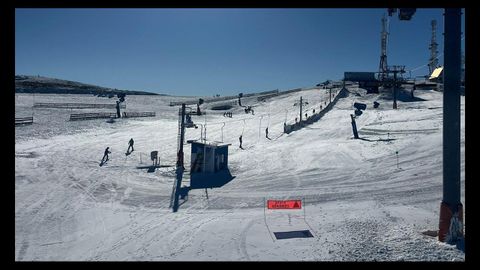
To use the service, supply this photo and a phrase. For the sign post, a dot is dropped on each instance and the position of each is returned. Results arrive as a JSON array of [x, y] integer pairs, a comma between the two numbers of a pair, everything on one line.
[[396, 153]]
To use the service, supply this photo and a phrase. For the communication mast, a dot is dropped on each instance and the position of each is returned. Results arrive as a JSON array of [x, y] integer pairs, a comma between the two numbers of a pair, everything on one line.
[[433, 62], [383, 56]]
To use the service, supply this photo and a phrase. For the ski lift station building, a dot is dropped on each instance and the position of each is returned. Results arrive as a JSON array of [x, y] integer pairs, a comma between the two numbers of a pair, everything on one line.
[[209, 164]]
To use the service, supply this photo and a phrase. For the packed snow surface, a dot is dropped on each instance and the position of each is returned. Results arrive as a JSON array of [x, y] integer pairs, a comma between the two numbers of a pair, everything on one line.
[[358, 203]]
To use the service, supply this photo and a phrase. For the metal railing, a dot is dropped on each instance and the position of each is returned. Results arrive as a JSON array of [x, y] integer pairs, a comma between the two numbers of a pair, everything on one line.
[[78, 105]]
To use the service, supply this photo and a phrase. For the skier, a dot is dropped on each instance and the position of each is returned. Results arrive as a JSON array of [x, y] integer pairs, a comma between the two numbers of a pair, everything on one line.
[[198, 110], [105, 155], [240, 139], [130, 144], [118, 109], [266, 133]]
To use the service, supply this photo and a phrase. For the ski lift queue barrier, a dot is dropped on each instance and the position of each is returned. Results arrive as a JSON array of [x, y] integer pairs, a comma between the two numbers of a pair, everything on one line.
[[88, 116], [264, 97], [138, 114], [23, 120], [78, 105]]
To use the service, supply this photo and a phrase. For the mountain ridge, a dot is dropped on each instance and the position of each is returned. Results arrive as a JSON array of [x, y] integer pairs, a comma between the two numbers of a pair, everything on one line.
[[46, 85]]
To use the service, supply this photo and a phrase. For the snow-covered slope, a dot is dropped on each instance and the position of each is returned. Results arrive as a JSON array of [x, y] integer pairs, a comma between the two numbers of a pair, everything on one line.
[[358, 203]]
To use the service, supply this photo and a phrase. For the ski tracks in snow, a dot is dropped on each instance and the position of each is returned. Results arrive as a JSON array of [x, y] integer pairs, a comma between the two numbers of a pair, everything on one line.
[[241, 244]]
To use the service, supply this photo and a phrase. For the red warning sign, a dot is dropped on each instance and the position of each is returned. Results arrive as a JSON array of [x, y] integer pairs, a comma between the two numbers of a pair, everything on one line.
[[288, 204]]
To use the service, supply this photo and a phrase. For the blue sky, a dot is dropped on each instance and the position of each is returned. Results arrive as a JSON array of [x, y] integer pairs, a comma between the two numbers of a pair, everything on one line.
[[215, 51]]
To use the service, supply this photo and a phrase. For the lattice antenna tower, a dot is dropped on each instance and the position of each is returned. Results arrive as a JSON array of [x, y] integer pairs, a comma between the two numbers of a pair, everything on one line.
[[383, 55], [433, 62]]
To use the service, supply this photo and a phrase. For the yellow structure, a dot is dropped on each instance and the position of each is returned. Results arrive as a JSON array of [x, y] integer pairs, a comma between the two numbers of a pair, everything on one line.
[[436, 73]]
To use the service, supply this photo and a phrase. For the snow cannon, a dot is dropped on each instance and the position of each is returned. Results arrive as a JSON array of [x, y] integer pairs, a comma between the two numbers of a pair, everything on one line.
[[360, 106], [240, 95], [121, 97]]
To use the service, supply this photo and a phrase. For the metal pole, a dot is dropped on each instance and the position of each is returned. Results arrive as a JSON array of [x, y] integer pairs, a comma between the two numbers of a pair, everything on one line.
[[204, 157], [394, 89], [205, 134], [396, 153], [260, 127], [330, 95], [354, 127], [222, 130], [301, 104], [33, 107], [451, 120], [451, 110], [179, 170]]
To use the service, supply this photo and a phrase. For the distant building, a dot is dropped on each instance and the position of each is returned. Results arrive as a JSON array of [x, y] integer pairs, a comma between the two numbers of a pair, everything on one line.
[[437, 75], [366, 80]]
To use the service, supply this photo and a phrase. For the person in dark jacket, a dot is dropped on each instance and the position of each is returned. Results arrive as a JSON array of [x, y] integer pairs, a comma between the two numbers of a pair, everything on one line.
[[105, 155], [240, 139], [130, 144]]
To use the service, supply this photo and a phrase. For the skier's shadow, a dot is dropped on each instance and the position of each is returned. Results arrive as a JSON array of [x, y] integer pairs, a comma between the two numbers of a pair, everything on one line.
[[379, 140], [151, 168]]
